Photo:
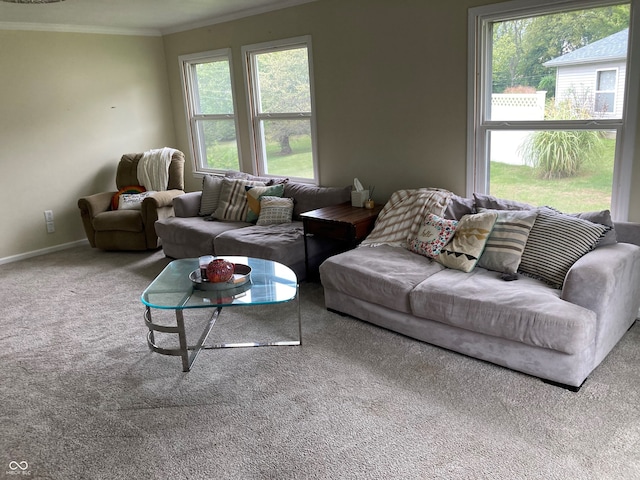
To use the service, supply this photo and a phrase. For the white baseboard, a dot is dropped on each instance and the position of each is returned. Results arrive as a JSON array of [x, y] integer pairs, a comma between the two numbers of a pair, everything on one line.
[[43, 251]]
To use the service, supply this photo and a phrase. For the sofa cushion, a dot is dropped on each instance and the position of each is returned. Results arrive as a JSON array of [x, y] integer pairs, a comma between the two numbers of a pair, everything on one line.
[[274, 211], [310, 197], [525, 311], [195, 232], [555, 243], [282, 243], [383, 275], [466, 246], [432, 236], [122, 220], [503, 251], [211, 186], [255, 194]]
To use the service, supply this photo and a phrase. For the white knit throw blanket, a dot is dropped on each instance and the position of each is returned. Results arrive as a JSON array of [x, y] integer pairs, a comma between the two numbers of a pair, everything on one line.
[[153, 168], [404, 213]]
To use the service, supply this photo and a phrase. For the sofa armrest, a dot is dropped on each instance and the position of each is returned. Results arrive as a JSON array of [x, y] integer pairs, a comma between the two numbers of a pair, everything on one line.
[[187, 205], [628, 232], [607, 282]]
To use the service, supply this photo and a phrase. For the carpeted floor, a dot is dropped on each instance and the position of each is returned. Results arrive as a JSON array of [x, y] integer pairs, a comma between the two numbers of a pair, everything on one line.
[[82, 397]]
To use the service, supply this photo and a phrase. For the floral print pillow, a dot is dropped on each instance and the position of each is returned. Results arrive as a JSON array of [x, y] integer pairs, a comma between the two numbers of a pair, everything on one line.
[[432, 236]]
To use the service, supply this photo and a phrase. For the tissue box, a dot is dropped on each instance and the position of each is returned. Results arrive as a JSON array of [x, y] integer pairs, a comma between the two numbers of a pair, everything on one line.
[[359, 197]]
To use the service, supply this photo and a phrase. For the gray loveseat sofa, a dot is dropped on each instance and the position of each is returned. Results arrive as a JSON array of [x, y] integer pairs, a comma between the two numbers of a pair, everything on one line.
[[202, 226], [559, 333]]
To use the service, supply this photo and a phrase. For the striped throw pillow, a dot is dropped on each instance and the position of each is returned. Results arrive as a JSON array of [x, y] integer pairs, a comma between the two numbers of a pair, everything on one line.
[[555, 243], [233, 199], [504, 249]]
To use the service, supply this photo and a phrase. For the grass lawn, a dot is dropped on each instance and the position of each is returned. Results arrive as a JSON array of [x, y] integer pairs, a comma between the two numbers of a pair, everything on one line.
[[299, 163], [588, 191]]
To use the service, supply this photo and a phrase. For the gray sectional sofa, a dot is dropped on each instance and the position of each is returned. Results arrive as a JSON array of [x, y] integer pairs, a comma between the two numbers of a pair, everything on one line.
[[194, 232], [559, 333]]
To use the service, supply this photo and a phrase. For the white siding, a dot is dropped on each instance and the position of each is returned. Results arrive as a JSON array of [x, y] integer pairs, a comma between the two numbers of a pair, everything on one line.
[[578, 82]]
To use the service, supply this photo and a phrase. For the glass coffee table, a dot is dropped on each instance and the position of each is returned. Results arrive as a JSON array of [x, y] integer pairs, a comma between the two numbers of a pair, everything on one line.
[[178, 288]]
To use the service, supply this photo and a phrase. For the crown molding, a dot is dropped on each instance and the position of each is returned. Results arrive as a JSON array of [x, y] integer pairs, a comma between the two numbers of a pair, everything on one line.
[[51, 27]]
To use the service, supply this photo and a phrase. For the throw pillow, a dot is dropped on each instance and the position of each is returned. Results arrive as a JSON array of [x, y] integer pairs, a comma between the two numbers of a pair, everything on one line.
[[275, 210], [602, 217], [494, 203], [133, 201], [211, 186], [466, 246], [503, 251], [309, 197], [555, 243], [115, 200], [432, 236], [233, 199], [459, 207], [255, 194]]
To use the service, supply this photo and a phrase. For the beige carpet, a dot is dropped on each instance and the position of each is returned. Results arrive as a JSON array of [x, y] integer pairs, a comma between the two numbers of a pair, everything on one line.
[[82, 397]]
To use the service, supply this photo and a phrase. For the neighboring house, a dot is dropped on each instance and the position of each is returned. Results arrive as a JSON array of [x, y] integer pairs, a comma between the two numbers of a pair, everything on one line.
[[593, 76]]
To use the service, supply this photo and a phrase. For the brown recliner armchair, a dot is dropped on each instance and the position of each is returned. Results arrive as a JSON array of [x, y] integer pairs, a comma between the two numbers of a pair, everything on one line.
[[110, 229]]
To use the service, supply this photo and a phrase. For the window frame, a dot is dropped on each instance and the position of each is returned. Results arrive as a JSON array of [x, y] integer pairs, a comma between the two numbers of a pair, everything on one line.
[[479, 97], [613, 91], [255, 117], [196, 145]]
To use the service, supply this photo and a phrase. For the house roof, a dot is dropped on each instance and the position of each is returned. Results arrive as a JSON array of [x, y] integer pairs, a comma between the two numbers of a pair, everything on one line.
[[613, 47]]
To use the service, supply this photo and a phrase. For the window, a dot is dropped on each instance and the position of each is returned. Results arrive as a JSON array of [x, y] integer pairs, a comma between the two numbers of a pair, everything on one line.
[[605, 91], [279, 83], [546, 126], [210, 111]]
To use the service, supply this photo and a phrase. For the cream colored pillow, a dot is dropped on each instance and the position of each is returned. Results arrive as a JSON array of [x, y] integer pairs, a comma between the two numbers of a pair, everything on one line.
[[466, 246]]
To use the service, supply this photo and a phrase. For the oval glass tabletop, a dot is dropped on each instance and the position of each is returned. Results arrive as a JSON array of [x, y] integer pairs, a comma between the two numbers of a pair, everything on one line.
[[270, 282]]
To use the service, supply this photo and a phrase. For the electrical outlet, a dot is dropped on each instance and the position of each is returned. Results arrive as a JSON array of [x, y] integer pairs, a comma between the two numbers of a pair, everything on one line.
[[48, 218]]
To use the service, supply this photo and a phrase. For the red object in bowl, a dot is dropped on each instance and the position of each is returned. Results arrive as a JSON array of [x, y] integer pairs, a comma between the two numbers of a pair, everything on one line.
[[220, 270]]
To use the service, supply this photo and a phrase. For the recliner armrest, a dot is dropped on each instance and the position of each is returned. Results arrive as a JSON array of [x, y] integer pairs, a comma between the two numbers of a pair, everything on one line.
[[92, 205], [161, 199]]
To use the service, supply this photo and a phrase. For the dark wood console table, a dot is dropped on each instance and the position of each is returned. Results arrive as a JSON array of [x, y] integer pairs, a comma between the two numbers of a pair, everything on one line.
[[344, 223]]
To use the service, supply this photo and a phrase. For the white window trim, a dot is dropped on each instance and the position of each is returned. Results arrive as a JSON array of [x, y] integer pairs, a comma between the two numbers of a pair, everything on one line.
[[257, 149], [477, 177], [614, 90], [189, 100]]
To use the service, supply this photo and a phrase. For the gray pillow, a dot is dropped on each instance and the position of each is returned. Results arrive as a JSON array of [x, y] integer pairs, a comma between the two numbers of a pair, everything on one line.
[[494, 203], [459, 207], [211, 186], [309, 197], [603, 217]]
